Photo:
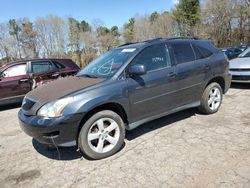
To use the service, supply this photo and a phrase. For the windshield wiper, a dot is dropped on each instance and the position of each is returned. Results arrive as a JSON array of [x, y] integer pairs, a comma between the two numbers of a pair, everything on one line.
[[89, 76]]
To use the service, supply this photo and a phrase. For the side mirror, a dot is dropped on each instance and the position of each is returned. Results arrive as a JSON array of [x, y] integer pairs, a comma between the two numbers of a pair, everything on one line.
[[137, 70]]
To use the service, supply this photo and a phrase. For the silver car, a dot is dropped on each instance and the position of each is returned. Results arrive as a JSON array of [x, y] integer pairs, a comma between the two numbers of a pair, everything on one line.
[[240, 67]]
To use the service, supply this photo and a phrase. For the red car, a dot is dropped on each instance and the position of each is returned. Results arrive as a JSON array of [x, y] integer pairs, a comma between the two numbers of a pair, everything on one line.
[[19, 77]]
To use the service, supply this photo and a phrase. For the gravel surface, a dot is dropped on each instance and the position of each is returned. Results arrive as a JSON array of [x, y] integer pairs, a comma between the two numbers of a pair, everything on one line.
[[186, 149]]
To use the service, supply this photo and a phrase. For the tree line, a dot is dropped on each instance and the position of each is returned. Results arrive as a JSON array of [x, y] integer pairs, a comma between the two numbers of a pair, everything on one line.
[[225, 22]]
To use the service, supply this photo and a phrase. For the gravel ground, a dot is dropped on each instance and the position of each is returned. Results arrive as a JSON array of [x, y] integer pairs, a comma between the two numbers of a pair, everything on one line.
[[186, 149]]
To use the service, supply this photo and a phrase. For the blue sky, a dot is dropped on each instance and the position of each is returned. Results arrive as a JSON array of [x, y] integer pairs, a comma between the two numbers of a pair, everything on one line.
[[111, 12]]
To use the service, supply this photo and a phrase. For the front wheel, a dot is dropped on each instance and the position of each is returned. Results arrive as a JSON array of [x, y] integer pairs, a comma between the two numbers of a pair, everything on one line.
[[102, 135], [211, 99]]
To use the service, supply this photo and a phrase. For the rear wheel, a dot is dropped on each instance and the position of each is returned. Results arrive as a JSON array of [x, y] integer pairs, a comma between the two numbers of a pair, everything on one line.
[[102, 135], [211, 99]]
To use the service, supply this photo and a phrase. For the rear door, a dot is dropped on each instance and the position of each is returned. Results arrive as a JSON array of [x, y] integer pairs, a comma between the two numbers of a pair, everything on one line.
[[151, 94], [43, 70], [14, 81], [190, 73]]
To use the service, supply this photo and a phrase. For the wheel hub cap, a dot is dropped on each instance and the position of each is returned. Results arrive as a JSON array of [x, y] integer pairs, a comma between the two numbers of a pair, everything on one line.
[[103, 135], [214, 98]]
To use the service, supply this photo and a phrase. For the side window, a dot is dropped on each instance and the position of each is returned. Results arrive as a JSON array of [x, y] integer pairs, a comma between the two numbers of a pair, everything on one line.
[[58, 65], [183, 52], [153, 58], [205, 53], [16, 70], [198, 53], [247, 54], [237, 50], [41, 66]]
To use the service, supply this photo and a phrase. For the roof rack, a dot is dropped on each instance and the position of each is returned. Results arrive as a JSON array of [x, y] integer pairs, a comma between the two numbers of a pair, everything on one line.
[[127, 44], [183, 38], [153, 40], [157, 39]]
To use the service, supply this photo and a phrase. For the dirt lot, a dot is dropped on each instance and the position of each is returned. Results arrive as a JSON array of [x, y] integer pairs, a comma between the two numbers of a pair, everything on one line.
[[185, 149]]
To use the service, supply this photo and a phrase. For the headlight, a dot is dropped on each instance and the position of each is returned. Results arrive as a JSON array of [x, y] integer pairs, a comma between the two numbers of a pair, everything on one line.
[[54, 109]]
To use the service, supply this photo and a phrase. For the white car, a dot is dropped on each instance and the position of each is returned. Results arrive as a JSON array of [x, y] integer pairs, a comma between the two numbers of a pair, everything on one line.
[[240, 67]]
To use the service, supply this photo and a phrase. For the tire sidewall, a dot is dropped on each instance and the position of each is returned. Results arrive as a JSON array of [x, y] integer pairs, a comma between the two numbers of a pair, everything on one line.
[[83, 135]]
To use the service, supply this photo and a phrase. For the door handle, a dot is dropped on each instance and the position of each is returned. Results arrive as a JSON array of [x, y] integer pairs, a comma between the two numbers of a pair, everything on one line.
[[207, 67], [55, 75], [171, 74], [24, 80]]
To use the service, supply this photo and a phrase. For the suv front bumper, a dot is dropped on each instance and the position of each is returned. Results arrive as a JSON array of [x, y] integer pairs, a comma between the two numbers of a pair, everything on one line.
[[59, 131], [240, 76]]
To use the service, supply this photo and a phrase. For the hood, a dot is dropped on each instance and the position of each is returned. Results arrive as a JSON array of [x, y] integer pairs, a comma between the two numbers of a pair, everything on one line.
[[57, 89], [240, 63]]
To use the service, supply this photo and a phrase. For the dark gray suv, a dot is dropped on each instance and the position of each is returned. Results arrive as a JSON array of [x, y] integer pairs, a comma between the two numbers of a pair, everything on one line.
[[124, 88]]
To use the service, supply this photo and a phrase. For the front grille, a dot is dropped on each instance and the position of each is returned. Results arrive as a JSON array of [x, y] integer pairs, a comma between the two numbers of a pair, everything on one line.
[[240, 70], [243, 78], [27, 104]]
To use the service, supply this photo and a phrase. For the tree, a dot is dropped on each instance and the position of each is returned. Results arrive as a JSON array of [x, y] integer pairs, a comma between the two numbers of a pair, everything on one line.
[[187, 15], [107, 38], [15, 30], [52, 36], [74, 44], [84, 26], [219, 21], [128, 33], [154, 16], [5, 43], [28, 40]]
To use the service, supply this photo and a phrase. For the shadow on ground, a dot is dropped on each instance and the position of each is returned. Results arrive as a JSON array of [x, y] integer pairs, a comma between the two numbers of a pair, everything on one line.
[[240, 85], [71, 153], [9, 106], [159, 123], [63, 153]]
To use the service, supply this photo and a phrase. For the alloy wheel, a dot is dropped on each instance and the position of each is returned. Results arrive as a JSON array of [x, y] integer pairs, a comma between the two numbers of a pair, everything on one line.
[[103, 135], [214, 98]]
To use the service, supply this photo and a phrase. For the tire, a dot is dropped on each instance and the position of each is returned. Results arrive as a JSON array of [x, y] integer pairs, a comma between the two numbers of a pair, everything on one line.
[[102, 135], [211, 99]]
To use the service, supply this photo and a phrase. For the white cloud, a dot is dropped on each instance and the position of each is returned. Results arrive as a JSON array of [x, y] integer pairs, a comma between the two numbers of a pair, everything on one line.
[[175, 1]]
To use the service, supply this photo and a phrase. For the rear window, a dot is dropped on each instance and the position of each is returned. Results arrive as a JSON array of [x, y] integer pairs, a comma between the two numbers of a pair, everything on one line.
[[58, 65], [201, 52], [183, 52], [42, 66]]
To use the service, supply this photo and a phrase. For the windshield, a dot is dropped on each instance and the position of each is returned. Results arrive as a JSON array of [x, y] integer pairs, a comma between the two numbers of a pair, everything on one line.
[[107, 64], [246, 53]]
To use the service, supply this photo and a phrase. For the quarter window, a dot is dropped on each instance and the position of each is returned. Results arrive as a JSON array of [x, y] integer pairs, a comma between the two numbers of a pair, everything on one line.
[[16, 70], [42, 66], [58, 65], [183, 52], [153, 58], [201, 52]]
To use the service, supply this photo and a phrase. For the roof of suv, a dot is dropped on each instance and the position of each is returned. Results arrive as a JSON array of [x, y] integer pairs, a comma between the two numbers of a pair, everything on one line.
[[161, 40], [147, 43]]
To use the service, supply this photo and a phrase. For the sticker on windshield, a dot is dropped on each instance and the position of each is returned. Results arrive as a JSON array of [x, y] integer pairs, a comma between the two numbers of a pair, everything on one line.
[[129, 50]]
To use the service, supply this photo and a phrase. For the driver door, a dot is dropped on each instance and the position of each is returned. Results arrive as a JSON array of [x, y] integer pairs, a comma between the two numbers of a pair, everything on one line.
[[15, 82], [151, 94]]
